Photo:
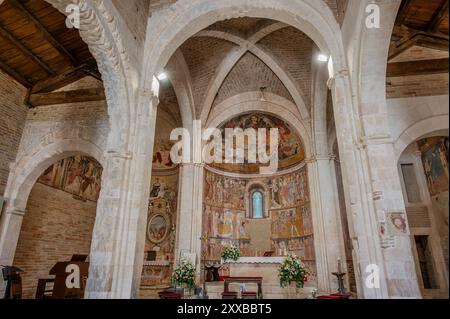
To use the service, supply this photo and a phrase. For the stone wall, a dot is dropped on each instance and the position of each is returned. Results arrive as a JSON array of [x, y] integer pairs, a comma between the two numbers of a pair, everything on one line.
[[55, 227], [13, 113]]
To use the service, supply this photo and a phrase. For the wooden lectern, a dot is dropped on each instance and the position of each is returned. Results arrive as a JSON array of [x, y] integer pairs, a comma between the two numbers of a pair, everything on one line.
[[60, 271]]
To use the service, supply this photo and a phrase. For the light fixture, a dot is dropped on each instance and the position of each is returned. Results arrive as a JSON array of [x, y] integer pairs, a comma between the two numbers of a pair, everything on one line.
[[322, 57], [162, 76]]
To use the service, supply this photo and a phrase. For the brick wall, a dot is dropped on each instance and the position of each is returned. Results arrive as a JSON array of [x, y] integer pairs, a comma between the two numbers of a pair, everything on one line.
[[55, 227], [13, 113]]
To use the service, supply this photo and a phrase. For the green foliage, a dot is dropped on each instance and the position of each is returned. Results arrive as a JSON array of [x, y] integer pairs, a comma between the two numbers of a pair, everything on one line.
[[293, 270], [184, 274]]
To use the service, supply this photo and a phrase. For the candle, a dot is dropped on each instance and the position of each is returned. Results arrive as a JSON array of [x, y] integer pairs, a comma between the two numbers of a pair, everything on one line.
[[339, 266]]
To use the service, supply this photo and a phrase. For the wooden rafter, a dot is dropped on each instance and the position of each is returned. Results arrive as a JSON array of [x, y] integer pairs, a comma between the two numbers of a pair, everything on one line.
[[438, 17], [411, 68], [62, 80], [6, 34], [403, 12], [410, 37], [47, 35], [64, 97]]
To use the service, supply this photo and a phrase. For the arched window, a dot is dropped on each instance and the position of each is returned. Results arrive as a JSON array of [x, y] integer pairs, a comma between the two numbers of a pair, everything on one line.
[[257, 204]]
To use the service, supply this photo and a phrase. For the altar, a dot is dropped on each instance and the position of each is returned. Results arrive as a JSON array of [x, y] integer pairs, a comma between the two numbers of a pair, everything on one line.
[[266, 267]]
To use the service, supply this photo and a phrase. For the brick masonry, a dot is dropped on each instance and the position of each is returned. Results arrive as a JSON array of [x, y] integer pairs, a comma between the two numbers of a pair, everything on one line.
[[55, 227], [13, 114]]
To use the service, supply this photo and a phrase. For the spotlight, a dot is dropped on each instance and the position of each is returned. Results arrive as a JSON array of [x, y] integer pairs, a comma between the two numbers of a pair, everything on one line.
[[322, 57], [162, 76]]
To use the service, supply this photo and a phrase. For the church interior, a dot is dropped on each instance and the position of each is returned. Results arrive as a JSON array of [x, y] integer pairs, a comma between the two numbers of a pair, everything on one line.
[[88, 177]]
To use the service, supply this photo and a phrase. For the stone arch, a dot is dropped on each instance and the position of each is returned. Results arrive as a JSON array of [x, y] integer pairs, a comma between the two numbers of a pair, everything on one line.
[[25, 175], [186, 18], [420, 129], [99, 30], [273, 104]]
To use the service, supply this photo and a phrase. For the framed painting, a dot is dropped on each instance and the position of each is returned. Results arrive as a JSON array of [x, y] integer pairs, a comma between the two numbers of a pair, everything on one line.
[[158, 228]]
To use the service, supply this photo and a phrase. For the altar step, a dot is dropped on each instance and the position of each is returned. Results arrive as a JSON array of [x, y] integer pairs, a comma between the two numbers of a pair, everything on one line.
[[270, 291]]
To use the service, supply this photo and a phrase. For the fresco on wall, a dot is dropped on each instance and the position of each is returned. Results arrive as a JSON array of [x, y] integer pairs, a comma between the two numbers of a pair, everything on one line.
[[290, 148], [225, 215], [77, 175], [161, 229], [161, 155], [435, 161], [162, 215]]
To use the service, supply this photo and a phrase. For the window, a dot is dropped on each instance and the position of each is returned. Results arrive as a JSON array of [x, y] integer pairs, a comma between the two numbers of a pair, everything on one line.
[[257, 204]]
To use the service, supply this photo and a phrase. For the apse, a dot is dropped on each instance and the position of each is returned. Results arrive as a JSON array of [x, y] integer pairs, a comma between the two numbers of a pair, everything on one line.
[[263, 215]]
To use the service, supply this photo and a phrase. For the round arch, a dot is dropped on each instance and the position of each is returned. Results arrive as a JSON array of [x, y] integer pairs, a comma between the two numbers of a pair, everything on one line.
[[419, 130], [28, 170], [188, 17], [272, 104]]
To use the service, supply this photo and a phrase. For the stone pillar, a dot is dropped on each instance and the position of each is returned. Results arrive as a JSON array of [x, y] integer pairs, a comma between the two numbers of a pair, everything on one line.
[[328, 239], [373, 190], [117, 250], [11, 226], [190, 212]]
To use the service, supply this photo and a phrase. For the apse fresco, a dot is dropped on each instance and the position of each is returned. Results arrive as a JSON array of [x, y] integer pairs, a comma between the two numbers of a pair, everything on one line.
[[435, 161], [226, 218], [77, 175], [290, 148]]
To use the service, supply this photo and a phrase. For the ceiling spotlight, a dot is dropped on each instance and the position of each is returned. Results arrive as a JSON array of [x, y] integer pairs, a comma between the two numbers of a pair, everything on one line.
[[162, 76], [322, 57]]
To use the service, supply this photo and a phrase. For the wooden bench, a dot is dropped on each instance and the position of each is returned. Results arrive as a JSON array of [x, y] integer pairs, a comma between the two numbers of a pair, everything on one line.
[[244, 280]]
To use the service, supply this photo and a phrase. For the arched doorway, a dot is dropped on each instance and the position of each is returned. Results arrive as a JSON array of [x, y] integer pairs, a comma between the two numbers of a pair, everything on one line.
[[59, 219], [423, 167]]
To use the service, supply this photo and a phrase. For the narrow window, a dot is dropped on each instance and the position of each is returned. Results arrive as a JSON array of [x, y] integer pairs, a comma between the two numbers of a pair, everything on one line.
[[257, 205]]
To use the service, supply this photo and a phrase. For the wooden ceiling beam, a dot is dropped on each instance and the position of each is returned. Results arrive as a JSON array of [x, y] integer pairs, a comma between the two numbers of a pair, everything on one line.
[[62, 80], [411, 37], [411, 68], [14, 74], [47, 35], [7, 35], [403, 12], [65, 97], [438, 17]]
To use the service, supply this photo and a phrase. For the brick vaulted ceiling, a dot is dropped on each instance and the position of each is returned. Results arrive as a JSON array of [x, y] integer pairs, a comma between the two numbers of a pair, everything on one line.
[[42, 54], [256, 54]]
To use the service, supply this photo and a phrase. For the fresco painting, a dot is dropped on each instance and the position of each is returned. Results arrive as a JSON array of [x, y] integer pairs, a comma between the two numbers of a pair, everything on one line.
[[435, 159]]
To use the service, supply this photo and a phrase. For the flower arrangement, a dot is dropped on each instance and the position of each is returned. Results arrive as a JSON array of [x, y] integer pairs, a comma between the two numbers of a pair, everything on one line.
[[293, 270], [184, 274], [231, 253]]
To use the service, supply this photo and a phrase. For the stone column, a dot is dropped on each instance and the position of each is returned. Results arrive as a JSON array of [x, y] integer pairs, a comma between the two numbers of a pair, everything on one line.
[[12, 224], [190, 212], [117, 250], [328, 239], [373, 190]]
